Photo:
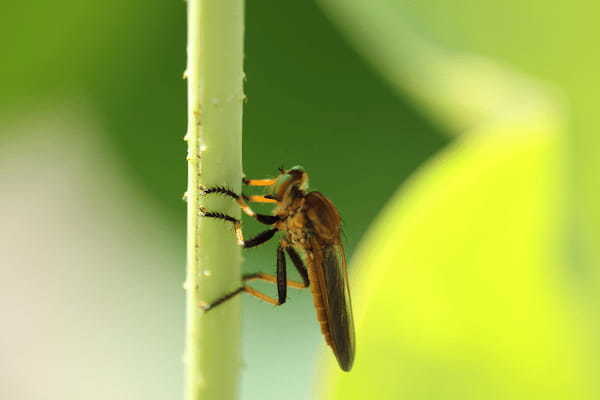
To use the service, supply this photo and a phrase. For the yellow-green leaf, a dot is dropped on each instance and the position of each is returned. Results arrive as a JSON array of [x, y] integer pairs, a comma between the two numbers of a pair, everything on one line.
[[460, 290]]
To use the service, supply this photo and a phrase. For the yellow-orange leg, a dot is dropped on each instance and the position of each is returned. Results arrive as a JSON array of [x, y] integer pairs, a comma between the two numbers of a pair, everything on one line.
[[280, 280], [253, 292], [247, 289], [260, 199], [259, 182], [273, 279]]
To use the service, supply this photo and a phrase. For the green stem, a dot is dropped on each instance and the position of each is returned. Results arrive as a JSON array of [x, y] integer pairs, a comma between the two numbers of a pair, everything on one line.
[[215, 97]]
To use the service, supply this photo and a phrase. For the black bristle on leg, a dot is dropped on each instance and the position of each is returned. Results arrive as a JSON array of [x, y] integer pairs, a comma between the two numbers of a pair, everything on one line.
[[221, 190], [281, 276], [218, 215]]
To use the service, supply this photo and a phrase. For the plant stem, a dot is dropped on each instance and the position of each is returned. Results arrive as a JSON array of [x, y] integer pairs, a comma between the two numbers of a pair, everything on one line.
[[215, 98]]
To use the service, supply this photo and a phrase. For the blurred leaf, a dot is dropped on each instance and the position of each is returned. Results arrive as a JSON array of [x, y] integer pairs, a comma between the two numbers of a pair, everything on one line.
[[53, 45], [459, 89], [555, 41], [464, 290], [460, 294]]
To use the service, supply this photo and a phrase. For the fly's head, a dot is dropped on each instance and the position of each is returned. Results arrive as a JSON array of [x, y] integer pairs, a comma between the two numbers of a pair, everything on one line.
[[289, 182]]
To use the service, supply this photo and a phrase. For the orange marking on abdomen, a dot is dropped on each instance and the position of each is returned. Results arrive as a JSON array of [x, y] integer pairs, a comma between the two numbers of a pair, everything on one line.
[[319, 306]]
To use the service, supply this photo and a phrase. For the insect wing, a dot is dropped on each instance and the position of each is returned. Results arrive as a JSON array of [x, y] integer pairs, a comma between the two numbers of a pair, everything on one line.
[[324, 218], [336, 298], [329, 263]]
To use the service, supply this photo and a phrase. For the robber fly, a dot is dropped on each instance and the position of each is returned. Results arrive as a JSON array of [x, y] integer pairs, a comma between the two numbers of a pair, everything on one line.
[[311, 227]]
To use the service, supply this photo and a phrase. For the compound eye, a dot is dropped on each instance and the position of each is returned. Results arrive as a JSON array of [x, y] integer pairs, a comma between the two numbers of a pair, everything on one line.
[[296, 174]]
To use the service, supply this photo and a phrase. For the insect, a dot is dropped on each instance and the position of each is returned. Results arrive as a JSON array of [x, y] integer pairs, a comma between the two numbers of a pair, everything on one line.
[[311, 227]]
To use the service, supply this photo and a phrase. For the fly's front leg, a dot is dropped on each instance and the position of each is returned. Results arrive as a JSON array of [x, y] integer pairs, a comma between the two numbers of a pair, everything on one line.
[[259, 182]]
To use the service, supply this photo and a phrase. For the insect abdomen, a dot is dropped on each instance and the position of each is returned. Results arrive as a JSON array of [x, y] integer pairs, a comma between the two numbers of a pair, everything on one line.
[[319, 306]]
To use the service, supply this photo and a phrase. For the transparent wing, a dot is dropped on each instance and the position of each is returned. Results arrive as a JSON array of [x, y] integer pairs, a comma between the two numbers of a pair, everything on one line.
[[328, 262], [333, 277]]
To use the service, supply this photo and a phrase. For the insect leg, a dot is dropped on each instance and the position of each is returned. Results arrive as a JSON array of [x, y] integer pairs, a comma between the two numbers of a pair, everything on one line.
[[263, 182], [279, 279], [272, 279], [241, 289], [281, 275], [260, 238], [299, 264], [259, 182], [255, 241], [261, 199], [262, 218]]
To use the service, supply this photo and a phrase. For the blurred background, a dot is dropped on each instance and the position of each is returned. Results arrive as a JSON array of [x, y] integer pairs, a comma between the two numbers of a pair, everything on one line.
[[459, 141]]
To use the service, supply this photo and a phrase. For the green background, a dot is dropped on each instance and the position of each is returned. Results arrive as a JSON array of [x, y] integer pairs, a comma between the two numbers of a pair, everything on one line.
[[92, 162]]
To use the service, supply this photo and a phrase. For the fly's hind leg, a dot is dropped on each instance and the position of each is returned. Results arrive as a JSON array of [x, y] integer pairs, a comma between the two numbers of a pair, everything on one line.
[[280, 279]]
